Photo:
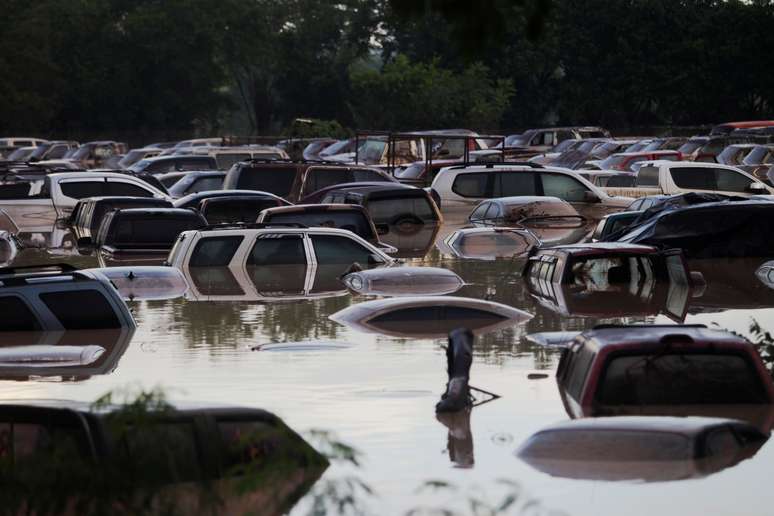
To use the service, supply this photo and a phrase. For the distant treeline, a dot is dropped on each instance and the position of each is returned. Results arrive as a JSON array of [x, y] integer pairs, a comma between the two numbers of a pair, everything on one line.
[[252, 66]]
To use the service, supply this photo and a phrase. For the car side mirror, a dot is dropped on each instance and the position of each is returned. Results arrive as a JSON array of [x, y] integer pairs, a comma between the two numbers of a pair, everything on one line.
[[757, 188], [589, 196]]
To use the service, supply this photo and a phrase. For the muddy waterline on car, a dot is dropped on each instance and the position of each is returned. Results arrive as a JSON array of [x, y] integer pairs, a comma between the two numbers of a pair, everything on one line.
[[377, 393]]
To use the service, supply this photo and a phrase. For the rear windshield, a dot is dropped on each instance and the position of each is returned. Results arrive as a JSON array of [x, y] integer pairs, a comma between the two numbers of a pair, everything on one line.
[[647, 176], [229, 211], [680, 378], [69, 308], [620, 445], [278, 181], [16, 315], [151, 231], [434, 319], [350, 220]]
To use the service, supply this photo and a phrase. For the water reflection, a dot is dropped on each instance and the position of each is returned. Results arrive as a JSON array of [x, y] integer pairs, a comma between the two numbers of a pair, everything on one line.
[[64, 355], [459, 442]]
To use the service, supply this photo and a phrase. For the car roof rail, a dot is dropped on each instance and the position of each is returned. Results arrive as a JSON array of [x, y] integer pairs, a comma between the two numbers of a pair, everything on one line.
[[16, 276], [253, 225], [624, 326], [47, 267]]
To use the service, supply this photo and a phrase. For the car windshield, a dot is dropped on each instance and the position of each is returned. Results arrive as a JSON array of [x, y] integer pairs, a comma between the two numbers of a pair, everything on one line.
[[516, 140], [690, 147], [758, 155], [21, 153], [613, 161], [371, 150], [82, 152], [335, 148]]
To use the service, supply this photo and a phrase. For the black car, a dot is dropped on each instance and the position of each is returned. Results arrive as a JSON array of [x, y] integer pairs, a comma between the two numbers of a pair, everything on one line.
[[145, 229], [88, 213]]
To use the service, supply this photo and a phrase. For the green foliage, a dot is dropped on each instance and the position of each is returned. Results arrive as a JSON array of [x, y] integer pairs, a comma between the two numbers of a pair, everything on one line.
[[764, 341], [407, 95], [314, 128]]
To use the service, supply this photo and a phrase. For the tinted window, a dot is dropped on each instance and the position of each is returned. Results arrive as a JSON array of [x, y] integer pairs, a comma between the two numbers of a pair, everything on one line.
[[647, 176], [579, 368], [215, 281], [16, 315], [318, 178], [564, 187], [609, 445], [354, 221], [70, 308], [83, 189], [157, 167], [694, 178], [235, 210], [730, 181], [471, 185], [432, 319], [680, 378], [195, 164], [156, 231], [620, 181], [278, 181], [225, 161], [368, 175], [392, 210], [57, 152], [335, 249], [204, 184], [119, 188], [277, 249], [507, 184], [278, 280], [215, 251]]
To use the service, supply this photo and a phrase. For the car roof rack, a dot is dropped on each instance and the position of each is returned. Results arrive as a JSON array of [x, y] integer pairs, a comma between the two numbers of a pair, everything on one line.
[[15, 276], [493, 164], [253, 225]]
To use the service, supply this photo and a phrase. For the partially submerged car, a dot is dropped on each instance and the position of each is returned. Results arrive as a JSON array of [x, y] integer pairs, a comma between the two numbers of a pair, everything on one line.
[[293, 180], [429, 317], [145, 230], [269, 245], [196, 458], [392, 207], [88, 213], [488, 243], [641, 449], [145, 283], [461, 188], [729, 228], [351, 217], [46, 298], [651, 369], [404, 281]]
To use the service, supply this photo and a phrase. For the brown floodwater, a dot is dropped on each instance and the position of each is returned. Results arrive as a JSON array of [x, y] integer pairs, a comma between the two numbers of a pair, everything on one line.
[[377, 393]]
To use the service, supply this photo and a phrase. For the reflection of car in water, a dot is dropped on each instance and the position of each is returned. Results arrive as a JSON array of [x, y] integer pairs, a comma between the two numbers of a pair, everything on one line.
[[263, 283], [428, 317], [642, 449], [665, 370], [68, 355]]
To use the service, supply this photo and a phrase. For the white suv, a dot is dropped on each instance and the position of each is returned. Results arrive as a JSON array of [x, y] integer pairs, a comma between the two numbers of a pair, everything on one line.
[[462, 187]]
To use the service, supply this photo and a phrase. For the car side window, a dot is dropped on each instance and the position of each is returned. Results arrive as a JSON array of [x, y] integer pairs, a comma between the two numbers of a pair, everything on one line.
[[318, 178], [193, 164], [564, 187], [515, 183], [67, 306], [694, 178], [493, 211], [337, 249], [215, 251], [730, 181], [57, 152], [277, 249], [225, 161], [119, 188], [17, 316], [82, 189], [471, 185], [204, 184]]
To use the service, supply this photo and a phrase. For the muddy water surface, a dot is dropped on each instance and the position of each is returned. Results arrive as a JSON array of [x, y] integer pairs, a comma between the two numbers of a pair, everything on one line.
[[377, 393]]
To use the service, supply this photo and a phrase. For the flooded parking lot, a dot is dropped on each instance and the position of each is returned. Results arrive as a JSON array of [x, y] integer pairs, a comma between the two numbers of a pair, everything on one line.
[[375, 390]]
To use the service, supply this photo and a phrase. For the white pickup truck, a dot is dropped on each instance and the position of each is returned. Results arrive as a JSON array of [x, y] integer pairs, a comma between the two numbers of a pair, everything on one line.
[[676, 177], [41, 201]]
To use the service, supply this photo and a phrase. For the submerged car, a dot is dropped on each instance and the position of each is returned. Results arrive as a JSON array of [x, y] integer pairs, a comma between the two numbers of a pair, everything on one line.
[[145, 230], [46, 298], [488, 243], [88, 213], [665, 370], [641, 449], [404, 281], [351, 217], [145, 282], [527, 211], [429, 317], [269, 245]]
